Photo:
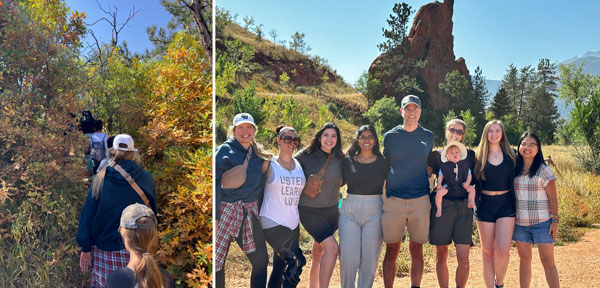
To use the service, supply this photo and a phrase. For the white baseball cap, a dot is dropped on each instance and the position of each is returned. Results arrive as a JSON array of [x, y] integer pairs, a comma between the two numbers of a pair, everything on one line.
[[123, 142], [242, 118]]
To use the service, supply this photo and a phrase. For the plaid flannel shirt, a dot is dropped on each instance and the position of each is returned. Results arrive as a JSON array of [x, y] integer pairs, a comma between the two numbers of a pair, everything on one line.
[[533, 205], [232, 219]]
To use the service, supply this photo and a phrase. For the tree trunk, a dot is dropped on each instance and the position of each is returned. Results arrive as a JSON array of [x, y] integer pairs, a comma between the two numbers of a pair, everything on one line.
[[196, 7]]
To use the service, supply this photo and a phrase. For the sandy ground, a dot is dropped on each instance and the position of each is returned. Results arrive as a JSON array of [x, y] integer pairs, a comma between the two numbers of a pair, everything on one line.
[[578, 266]]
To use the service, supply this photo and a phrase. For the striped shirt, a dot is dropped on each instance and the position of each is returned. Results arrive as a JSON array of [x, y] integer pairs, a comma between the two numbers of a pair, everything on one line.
[[533, 205]]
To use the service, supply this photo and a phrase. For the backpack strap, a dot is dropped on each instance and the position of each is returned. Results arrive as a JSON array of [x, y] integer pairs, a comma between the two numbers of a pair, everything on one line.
[[132, 183]]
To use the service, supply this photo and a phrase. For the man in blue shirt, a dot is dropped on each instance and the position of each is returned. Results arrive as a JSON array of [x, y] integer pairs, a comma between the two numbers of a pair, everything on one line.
[[407, 203]]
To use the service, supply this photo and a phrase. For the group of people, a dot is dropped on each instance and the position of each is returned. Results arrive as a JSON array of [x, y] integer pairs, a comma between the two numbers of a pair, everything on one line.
[[117, 229], [512, 196]]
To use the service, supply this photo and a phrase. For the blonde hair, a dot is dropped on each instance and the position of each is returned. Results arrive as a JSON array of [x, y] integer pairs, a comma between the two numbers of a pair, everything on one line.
[[144, 243], [115, 156], [481, 156], [256, 147]]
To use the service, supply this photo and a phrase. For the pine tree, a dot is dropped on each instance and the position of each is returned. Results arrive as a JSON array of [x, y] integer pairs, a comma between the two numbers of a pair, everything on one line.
[[501, 104], [480, 96], [540, 113], [398, 23], [510, 85]]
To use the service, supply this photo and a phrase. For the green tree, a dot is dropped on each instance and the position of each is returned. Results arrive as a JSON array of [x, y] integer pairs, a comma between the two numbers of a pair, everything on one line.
[[284, 78], [510, 84], [540, 113], [299, 44], [240, 55], [248, 22], [259, 32], [480, 95], [384, 114], [583, 91], [525, 89], [398, 24], [246, 101], [294, 114], [501, 104]]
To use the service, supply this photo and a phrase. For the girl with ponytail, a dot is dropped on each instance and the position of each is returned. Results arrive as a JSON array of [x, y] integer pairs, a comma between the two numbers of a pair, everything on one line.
[[102, 249], [138, 229]]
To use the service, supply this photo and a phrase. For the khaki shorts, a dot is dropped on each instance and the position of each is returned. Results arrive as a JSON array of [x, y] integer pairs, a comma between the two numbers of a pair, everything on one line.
[[412, 214]]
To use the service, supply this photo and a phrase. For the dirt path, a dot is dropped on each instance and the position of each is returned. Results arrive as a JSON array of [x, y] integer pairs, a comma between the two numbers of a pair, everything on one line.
[[578, 266]]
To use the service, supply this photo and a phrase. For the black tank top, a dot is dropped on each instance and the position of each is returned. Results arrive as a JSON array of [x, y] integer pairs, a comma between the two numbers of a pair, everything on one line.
[[496, 177]]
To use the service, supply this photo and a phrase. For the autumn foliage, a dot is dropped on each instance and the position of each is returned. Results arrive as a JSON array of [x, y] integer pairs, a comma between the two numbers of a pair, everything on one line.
[[165, 103], [178, 143]]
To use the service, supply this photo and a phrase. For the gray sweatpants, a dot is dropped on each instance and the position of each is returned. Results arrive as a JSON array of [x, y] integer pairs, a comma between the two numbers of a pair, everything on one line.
[[360, 239]]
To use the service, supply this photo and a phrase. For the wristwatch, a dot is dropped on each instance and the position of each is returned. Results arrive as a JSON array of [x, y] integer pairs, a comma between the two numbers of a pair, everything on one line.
[[554, 218]]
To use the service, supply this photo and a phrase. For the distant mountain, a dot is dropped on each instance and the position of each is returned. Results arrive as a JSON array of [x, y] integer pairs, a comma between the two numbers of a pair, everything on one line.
[[590, 60]]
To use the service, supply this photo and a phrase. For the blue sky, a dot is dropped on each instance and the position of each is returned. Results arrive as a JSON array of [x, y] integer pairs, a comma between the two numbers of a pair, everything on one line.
[[151, 12], [489, 34]]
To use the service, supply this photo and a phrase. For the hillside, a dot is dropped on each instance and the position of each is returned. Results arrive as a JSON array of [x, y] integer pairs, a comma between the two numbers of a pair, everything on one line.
[[321, 95], [590, 61]]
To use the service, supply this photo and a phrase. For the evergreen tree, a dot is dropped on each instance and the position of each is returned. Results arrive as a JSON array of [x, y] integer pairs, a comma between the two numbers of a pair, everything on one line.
[[259, 32], [501, 104], [298, 44], [398, 22], [510, 85], [540, 113], [525, 88], [480, 95]]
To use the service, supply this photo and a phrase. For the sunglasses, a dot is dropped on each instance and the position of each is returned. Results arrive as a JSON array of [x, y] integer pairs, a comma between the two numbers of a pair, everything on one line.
[[456, 131], [290, 139]]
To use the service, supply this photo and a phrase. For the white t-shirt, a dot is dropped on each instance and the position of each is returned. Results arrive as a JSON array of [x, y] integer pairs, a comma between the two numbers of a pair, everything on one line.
[[282, 193]]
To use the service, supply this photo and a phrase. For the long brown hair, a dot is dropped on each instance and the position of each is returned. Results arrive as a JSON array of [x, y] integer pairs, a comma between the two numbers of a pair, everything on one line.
[[481, 156], [144, 243], [115, 156]]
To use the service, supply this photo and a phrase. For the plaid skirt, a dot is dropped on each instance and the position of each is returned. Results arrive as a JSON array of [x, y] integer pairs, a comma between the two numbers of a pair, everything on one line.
[[104, 262]]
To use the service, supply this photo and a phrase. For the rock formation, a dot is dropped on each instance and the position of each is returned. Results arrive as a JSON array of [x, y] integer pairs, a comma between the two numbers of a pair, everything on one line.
[[430, 39]]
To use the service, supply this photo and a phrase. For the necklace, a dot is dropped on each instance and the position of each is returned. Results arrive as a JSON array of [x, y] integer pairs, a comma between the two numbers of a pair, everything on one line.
[[287, 166]]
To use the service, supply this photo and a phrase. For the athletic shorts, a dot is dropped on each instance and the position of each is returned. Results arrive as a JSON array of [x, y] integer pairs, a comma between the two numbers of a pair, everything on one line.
[[455, 224], [406, 214], [320, 223], [494, 207]]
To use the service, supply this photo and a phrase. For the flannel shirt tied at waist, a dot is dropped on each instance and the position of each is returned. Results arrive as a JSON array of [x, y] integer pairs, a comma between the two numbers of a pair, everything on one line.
[[231, 221]]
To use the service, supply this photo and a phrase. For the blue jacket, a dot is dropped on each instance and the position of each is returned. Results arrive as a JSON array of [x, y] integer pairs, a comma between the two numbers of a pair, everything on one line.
[[407, 154], [228, 155], [100, 218]]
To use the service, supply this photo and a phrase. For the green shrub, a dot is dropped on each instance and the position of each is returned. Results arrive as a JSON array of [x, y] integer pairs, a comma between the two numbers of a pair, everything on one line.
[[386, 112], [245, 101]]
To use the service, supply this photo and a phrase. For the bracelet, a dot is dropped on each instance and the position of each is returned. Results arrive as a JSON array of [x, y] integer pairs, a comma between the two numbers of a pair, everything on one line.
[[554, 216], [554, 220]]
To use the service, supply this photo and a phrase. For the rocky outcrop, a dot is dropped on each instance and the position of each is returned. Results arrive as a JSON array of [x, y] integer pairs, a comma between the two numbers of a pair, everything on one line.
[[431, 40]]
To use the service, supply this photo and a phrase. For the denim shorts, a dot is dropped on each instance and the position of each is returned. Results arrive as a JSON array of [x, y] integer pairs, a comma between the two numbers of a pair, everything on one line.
[[536, 234]]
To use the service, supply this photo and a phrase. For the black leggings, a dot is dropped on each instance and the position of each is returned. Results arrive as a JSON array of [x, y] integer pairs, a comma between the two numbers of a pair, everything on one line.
[[259, 259], [284, 242]]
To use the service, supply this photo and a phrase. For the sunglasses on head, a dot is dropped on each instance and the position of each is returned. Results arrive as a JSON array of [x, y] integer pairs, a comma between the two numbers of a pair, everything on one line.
[[456, 131], [290, 139]]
